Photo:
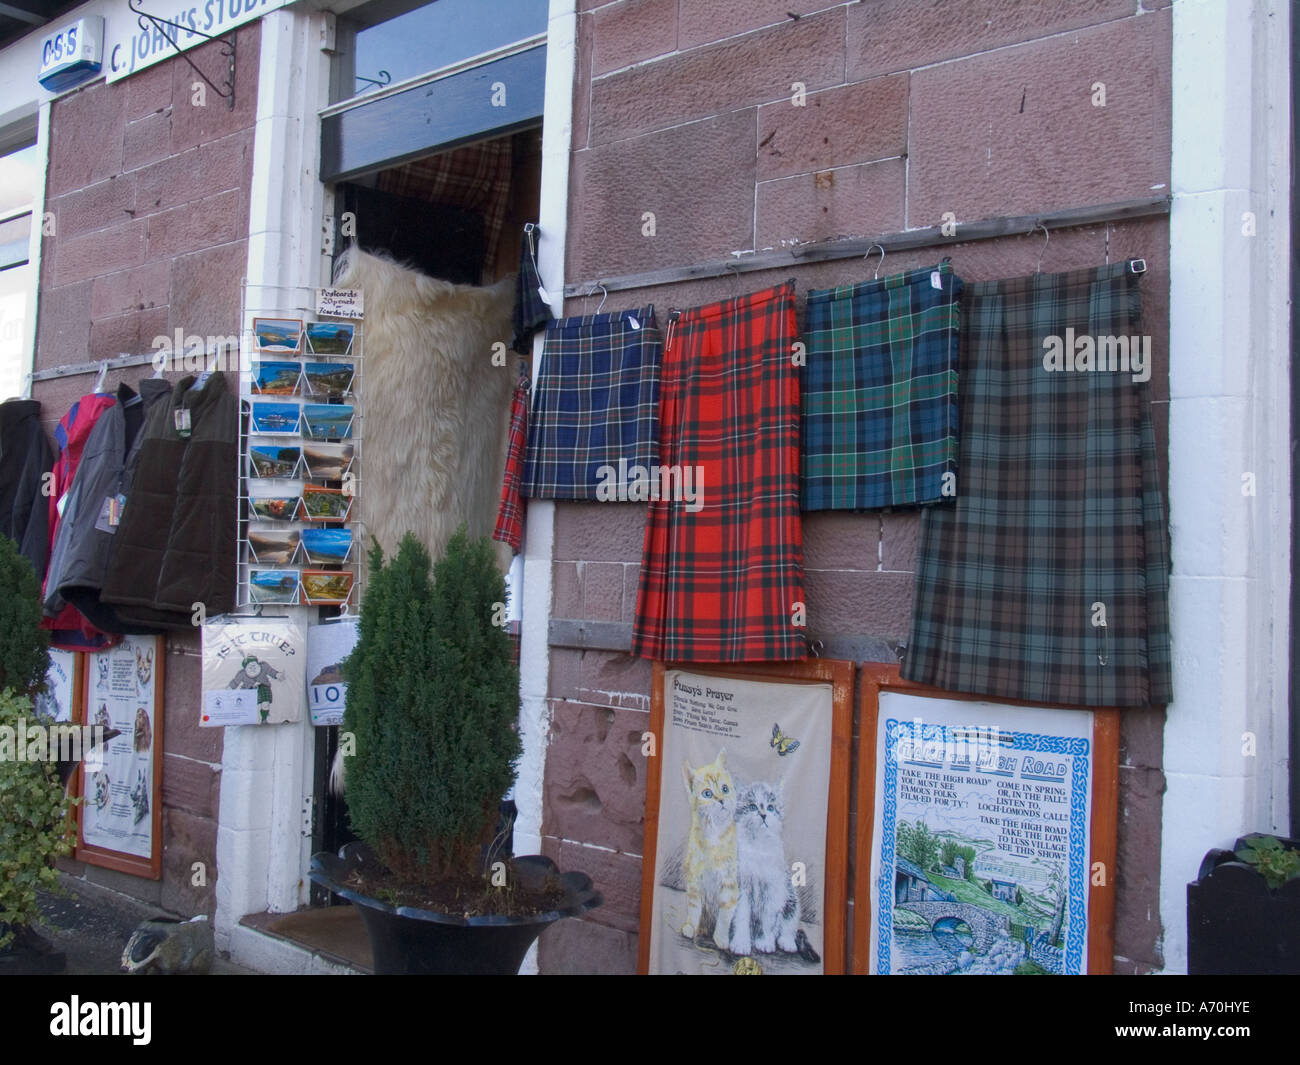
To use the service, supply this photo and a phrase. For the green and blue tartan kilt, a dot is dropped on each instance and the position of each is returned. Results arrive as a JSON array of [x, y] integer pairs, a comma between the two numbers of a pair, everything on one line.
[[1059, 520], [880, 391], [596, 401]]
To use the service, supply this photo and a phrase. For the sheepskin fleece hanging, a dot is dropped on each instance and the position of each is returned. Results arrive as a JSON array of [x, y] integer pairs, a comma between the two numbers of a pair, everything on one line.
[[436, 409]]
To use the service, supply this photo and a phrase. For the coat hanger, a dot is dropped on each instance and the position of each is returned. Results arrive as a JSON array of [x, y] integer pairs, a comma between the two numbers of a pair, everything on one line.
[[1046, 237], [102, 376], [604, 296], [876, 276]]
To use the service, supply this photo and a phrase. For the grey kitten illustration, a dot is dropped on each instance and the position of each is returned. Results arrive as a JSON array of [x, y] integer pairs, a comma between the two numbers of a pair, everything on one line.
[[767, 917]]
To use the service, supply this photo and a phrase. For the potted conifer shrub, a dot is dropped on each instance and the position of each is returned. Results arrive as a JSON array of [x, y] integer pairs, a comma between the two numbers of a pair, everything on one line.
[[432, 709], [33, 803]]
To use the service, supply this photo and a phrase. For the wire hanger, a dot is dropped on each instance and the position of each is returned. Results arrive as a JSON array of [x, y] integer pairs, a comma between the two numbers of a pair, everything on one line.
[[876, 276], [1046, 237], [605, 293], [102, 377]]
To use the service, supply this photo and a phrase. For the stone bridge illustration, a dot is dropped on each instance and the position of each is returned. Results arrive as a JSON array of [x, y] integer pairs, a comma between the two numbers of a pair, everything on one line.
[[987, 927]]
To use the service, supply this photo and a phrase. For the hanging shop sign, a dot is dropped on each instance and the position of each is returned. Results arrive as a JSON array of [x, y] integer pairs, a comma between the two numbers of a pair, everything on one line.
[[747, 819], [131, 47], [986, 838], [254, 671], [327, 645], [120, 817]]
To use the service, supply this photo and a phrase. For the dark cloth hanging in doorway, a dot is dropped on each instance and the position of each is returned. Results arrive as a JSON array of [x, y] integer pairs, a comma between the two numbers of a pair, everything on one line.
[[1059, 522], [475, 177]]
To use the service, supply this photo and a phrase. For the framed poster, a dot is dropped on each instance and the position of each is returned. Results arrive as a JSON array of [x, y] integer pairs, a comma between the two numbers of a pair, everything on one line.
[[986, 833], [747, 807], [254, 671], [61, 699], [120, 817]]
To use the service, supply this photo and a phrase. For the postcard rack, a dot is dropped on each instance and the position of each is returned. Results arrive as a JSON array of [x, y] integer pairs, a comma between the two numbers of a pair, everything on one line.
[[300, 460]]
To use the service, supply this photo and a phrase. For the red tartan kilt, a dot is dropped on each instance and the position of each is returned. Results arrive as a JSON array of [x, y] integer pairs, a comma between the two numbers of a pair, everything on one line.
[[722, 575]]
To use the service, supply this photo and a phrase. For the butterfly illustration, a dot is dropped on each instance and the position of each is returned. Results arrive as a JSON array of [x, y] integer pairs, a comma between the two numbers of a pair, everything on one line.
[[784, 744]]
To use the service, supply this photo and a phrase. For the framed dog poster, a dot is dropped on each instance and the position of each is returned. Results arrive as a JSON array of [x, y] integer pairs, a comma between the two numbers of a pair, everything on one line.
[[986, 834], [747, 806], [120, 819]]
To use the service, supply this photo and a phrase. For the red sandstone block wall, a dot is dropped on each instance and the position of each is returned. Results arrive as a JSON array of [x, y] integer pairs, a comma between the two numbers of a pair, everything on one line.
[[149, 195], [683, 108]]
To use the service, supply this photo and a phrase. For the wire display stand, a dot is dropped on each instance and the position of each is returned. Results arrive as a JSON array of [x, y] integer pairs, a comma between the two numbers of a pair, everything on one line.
[[301, 541]]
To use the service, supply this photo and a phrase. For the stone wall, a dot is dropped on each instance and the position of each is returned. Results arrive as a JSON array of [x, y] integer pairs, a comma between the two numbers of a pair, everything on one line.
[[684, 108], [148, 189]]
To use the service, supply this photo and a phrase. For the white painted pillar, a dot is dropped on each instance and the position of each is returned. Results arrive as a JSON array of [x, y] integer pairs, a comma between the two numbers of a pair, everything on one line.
[[539, 533], [534, 653], [1229, 418], [263, 833]]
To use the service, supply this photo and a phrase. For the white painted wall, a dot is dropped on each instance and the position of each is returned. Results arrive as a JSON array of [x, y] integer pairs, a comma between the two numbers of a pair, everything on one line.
[[263, 831], [539, 533], [1229, 416]]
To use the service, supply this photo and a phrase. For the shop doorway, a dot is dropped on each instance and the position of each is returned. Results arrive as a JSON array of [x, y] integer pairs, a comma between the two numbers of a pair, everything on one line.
[[458, 216]]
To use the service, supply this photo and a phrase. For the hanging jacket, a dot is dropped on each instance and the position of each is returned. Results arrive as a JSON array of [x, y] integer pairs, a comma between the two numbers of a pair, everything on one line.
[[175, 544], [25, 458], [81, 545], [69, 630]]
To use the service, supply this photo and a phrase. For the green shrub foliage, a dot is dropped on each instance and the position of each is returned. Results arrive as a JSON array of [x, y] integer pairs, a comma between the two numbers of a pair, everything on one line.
[[33, 823], [433, 701], [24, 645]]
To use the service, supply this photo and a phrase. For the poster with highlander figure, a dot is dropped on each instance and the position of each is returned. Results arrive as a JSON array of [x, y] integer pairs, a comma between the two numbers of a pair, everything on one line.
[[254, 671]]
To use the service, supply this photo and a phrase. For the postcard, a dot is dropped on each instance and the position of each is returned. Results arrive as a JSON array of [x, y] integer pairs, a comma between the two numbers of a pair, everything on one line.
[[327, 546], [325, 504], [329, 338], [273, 461], [275, 508], [273, 585], [275, 378], [327, 421], [326, 586], [276, 417], [273, 547], [283, 335], [329, 378], [327, 462]]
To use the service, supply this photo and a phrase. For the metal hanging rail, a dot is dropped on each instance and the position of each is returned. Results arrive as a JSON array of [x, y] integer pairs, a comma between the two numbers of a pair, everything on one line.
[[905, 240]]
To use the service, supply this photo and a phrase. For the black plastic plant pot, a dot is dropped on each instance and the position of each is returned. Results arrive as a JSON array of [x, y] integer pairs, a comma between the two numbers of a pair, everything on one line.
[[411, 941], [1237, 924], [29, 954]]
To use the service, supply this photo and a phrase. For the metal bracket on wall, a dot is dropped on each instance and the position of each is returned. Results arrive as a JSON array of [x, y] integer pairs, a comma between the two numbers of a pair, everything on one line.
[[227, 48]]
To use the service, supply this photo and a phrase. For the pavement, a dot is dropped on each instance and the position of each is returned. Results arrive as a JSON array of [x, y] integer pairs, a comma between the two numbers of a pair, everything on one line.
[[91, 926]]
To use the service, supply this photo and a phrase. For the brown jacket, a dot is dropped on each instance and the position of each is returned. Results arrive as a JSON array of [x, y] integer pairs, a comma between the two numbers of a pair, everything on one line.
[[175, 545]]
